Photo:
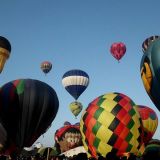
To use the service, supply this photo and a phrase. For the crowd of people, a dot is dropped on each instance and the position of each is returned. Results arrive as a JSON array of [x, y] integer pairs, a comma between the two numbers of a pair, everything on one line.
[[83, 156]]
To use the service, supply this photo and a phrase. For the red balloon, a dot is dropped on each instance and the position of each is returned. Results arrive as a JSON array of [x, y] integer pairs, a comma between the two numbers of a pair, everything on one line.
[[118, 50]]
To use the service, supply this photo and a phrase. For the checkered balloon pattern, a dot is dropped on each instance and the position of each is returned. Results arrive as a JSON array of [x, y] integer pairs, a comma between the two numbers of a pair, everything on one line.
[[149, 121], [111, 124]]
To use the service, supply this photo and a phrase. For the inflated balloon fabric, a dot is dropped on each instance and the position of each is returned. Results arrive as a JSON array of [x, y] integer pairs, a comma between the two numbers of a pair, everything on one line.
[[111, 124], [27, 110]]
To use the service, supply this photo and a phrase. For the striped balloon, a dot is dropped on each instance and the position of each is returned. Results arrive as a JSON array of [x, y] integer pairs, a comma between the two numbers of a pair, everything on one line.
[[75, 82], [111, 124], [148, 41]]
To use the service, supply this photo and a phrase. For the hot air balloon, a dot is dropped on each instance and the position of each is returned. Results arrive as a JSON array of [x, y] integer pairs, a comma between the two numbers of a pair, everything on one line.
[[149, 122], [75, 82], [66, 123], [67, 137], [154, 141], [152, 150], [28, 108], [118, 49], [5, 49], [149, 67], [148, 41], [76, 107], [46, 66], [111, 124]]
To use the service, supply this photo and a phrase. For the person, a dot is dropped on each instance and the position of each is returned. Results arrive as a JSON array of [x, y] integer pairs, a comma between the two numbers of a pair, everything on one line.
[[132, 157], [112, 156], [82, 156], [91, 158], [101, 158]]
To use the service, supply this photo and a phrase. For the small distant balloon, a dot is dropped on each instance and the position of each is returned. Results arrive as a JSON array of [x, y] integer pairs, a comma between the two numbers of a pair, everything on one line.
[[46, 66], [5, 49], [118, 49], [76, 107]]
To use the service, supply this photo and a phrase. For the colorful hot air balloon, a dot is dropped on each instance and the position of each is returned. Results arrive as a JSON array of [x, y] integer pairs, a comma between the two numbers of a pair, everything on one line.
[[148, 41], [75, 82], [111, 124], [5, 49], [149, 122], [118, 49], [46, 66], [28, 108], [149, 67], [67, 137], [76, 107]]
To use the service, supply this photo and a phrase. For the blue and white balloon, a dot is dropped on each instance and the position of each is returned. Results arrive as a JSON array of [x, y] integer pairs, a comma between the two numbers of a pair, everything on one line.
[[75, 82]]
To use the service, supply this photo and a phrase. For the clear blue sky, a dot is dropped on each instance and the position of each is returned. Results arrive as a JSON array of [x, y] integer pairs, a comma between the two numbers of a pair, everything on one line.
[[77, 34]]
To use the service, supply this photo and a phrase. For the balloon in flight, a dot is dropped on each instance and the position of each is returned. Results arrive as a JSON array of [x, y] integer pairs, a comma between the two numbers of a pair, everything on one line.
[[46, 66], [75, 82], [118, 50], [76, 107], [5, 50], [148, 41], [149, 68]]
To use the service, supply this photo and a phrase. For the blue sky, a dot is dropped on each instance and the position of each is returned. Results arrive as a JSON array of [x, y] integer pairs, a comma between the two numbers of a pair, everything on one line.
[[76, 34]]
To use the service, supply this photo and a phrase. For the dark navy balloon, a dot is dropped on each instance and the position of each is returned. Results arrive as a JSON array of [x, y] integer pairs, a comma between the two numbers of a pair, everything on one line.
[[27, 109]]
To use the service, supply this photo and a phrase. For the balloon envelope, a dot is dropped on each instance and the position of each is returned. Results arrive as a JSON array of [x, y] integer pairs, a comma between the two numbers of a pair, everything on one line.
[[28, 108], [148, 41], [76, 107], [149, 67], [68, 137], [46, 66], [118, 49], [111, 124], [152, 150], [149, 122], [5, 49], [75, 82]]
